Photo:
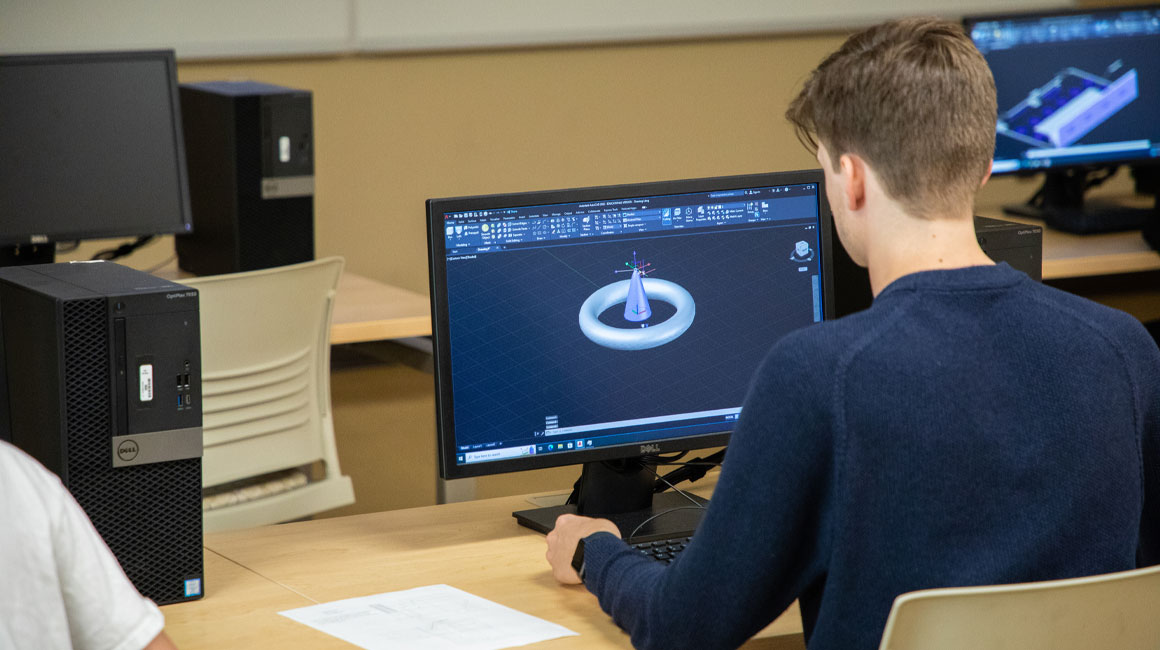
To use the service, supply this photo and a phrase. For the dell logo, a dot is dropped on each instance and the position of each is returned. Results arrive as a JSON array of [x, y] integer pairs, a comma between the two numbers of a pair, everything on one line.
[[650, 449], [127, 450]]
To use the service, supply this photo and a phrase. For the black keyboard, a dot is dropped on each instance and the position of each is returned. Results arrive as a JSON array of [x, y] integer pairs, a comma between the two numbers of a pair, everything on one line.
[[663, 550]]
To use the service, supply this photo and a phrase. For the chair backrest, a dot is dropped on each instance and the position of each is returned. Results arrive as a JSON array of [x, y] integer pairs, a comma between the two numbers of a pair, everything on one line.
[[265, 339], [1116, 610]]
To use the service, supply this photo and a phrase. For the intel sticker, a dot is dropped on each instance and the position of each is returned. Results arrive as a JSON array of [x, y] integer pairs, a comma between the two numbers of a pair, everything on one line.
[[193, 587], [145, 376]]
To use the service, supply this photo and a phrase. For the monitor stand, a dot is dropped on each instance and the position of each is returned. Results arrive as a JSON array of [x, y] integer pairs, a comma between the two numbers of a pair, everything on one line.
[[25, 254], [1060, 204], [623, 492]]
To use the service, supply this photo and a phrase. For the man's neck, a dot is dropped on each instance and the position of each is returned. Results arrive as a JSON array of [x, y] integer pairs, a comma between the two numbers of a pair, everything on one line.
[[900, 244]]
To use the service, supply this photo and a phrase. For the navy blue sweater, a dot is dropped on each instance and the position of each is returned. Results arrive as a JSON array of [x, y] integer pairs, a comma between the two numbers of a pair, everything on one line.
[[971, 427]]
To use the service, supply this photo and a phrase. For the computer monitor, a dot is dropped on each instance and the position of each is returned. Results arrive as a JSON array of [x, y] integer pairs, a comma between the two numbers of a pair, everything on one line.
[[1078, 91], [91, 148], [608, 325]]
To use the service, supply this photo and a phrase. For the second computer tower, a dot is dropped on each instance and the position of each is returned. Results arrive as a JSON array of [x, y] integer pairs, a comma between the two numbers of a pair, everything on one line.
[[104, 368], [250, 153], [1019, 245]]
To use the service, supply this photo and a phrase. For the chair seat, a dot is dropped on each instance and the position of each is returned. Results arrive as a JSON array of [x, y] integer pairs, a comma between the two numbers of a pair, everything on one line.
[[284, 506]]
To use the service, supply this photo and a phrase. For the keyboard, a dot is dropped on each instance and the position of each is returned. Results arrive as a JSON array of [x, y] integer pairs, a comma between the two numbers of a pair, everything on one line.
[[663, 550]]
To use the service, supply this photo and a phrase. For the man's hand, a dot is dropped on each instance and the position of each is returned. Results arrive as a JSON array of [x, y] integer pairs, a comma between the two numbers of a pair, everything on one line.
[[562, 541]]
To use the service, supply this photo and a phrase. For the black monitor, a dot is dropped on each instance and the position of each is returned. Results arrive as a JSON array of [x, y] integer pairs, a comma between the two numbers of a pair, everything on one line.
[[609, 325], [1078, 92], [90, 147]]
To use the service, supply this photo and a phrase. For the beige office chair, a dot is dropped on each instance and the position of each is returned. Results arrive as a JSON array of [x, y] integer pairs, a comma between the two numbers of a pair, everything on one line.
[[1117, 610], [269, 453]]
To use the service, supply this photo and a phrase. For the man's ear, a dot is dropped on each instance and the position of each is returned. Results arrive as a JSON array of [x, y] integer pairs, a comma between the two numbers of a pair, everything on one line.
[[853, 171], [987, 176]]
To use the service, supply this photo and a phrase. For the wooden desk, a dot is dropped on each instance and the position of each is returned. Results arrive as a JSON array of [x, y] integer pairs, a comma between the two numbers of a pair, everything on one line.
[[1073, 256], [369, 310], [474, 546], [241, 612]]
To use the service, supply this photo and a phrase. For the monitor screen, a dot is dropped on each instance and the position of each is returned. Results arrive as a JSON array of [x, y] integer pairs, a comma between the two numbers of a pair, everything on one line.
[[582, 325], [92, 147], [1074, 88]]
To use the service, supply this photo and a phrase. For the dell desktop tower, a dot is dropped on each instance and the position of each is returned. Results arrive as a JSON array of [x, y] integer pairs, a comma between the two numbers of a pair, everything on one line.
[[1019, 245], [249, 151], [104, 364]]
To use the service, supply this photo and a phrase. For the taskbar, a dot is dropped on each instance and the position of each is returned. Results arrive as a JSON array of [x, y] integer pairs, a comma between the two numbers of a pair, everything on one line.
[[573, 443], [1046, 159]]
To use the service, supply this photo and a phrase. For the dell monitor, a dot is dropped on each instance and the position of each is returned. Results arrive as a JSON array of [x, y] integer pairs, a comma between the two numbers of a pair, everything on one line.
[[91, 148], [1078, 92], [609, 325]]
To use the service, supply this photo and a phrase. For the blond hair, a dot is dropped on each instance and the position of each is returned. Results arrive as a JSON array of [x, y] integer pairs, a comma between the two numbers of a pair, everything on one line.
[[916, 100]]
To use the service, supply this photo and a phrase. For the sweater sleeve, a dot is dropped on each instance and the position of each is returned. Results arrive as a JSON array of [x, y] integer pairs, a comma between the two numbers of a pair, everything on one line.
[[763, 540]]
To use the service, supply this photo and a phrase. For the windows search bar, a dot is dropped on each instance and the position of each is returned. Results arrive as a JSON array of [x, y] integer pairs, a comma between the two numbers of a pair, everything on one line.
[[498, 454]]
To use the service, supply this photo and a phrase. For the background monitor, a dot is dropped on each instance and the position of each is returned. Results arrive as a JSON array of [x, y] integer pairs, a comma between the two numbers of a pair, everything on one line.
[[607, 325], [92, 148], [1077, 90]]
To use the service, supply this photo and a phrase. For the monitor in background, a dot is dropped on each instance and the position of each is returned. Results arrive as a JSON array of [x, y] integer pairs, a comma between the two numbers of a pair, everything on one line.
[[1079, 92], [609, 325], [92, 148]]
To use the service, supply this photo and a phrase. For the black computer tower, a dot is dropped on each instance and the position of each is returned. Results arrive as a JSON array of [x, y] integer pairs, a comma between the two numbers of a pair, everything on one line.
[[104, 367], [249, 150], [1019, 245]]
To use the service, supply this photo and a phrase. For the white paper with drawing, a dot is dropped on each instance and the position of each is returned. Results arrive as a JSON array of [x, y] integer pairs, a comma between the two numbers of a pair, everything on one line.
[[437, 617]]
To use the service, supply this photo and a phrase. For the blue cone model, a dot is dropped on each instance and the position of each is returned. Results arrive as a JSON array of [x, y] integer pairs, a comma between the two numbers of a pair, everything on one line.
[[636, 307]]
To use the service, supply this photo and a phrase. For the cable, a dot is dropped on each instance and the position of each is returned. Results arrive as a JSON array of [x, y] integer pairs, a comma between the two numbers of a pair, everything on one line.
[[674, 488], [688, 471], [664, 460], [699, 465], [693, 470], [645, 461], [634, 530], [1095, 179], [1086, 179], [110, 254]]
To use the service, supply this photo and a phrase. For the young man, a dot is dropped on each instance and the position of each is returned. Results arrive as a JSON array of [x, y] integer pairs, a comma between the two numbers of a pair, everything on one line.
[[971, 427], [61, 586]]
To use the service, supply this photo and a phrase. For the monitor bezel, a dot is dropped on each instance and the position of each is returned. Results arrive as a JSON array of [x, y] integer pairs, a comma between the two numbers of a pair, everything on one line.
[[970, 20], [440, 324], [116, 230]]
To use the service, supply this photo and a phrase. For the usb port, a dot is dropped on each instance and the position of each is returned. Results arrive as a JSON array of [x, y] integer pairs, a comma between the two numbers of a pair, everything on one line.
[[185, 378], [179, 381], [187, 399]]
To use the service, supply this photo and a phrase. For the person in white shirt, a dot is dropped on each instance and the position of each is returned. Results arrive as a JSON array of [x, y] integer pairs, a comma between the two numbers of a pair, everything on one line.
[[60, 585]]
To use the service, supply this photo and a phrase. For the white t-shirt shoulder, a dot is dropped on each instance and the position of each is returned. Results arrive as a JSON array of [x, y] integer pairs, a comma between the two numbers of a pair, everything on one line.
[[62, 587]]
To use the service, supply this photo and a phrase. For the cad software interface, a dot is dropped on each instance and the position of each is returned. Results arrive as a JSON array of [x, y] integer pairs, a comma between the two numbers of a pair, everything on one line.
[[583, 325], [1074, 89]]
